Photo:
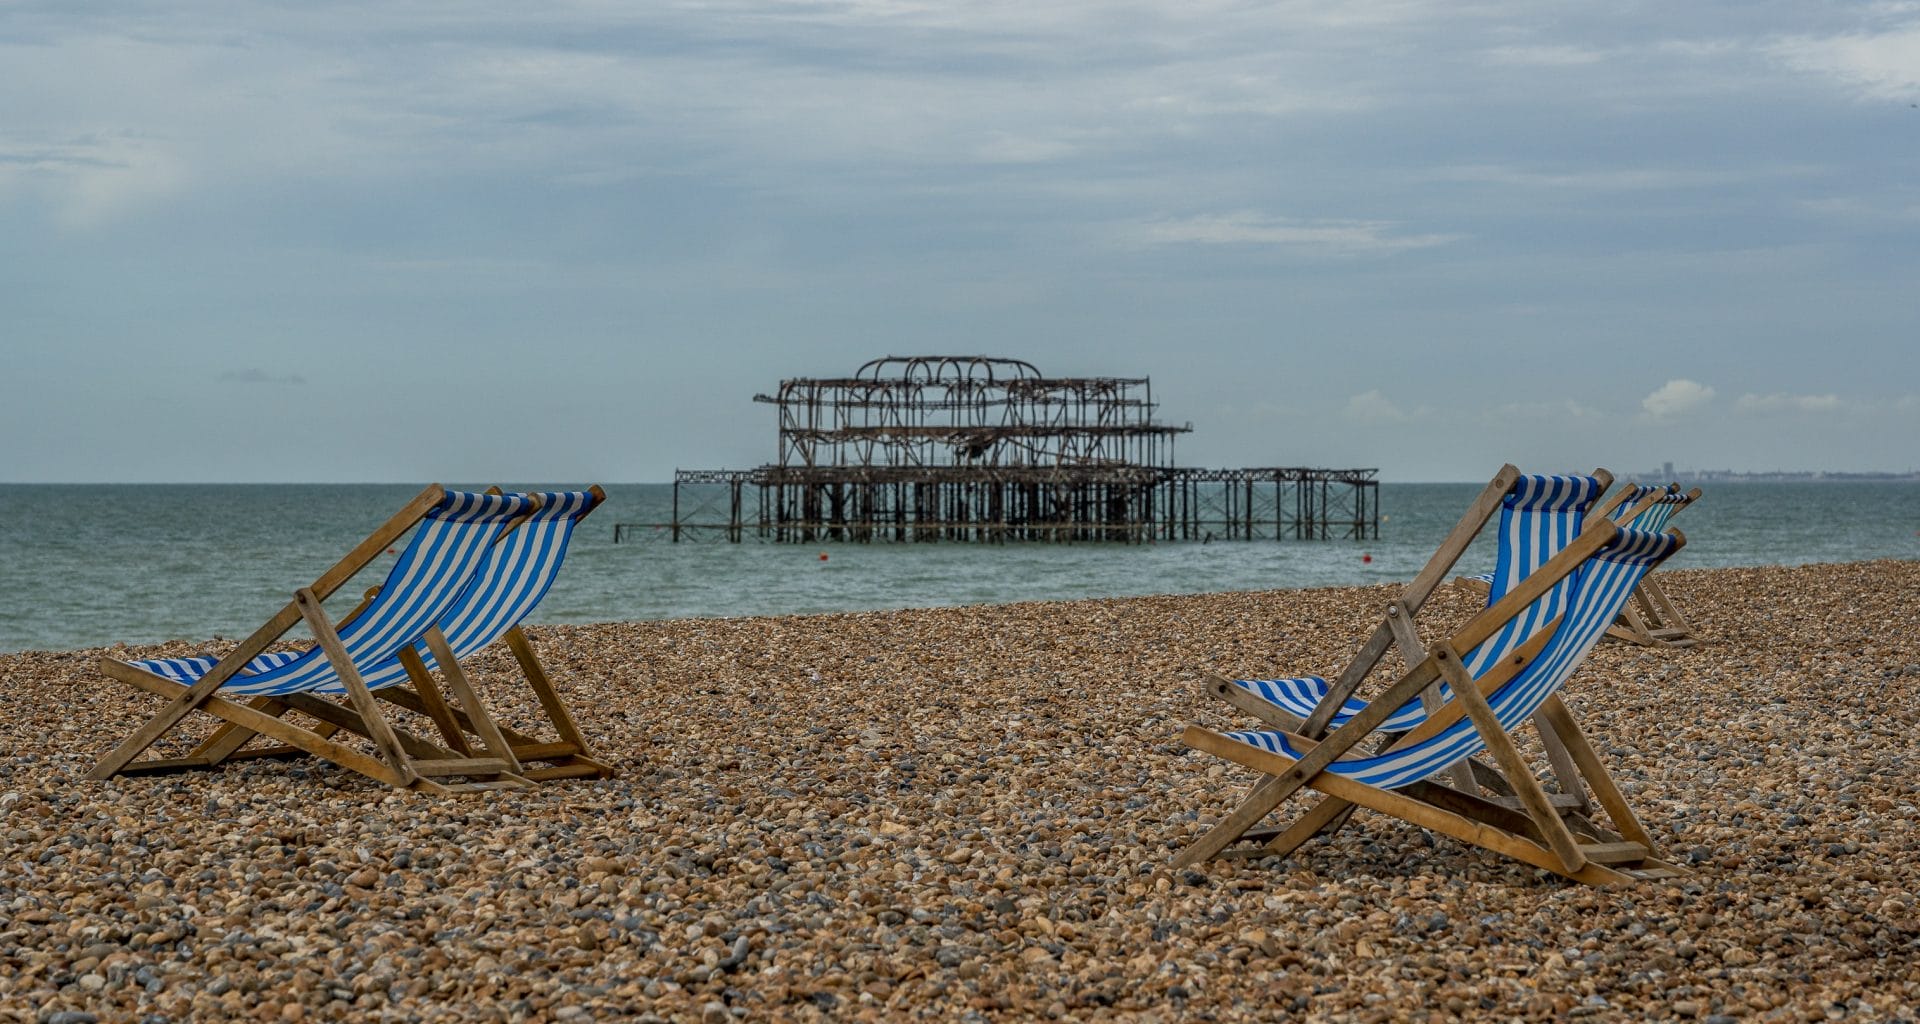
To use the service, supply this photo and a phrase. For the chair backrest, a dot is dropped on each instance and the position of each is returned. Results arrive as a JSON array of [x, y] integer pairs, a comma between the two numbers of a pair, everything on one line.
[[436, 566], [1539, 517], [1657, 515], [1600, 587], [517, 572]]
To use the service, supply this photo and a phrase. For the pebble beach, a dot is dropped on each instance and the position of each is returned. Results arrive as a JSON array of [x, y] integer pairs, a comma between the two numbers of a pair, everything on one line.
[[969, 814]]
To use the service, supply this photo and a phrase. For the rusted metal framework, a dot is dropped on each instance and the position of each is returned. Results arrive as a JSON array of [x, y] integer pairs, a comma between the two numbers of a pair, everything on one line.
[[973, 412], [974, 448]]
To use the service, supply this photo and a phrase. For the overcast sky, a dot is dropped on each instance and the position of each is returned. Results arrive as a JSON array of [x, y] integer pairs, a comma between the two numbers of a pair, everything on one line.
[[404, 241]]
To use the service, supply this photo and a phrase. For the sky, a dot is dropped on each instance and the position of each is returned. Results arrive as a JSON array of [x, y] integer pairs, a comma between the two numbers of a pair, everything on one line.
[[407, 241]]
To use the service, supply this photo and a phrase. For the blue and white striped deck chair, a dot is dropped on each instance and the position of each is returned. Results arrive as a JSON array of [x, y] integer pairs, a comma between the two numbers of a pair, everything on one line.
[[1604, 564], [1539, 516], [518, 572], [453, 532], [1651, 619]]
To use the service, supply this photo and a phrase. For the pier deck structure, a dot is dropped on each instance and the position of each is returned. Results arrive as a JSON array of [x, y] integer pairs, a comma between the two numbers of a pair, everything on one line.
[[973, 448]]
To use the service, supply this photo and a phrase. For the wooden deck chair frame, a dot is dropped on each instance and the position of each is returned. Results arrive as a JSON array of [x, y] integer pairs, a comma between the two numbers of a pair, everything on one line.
[[1533, 827], [1472, 777], [401, 759], [568, 757], [1396, 631], [1650, 618]]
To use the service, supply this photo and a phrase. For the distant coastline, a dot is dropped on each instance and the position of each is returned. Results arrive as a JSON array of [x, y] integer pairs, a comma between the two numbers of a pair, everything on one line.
[[1816, 476]]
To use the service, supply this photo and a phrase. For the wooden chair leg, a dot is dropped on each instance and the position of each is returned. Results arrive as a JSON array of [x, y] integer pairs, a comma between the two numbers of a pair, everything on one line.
[[432, 704], [549, 697], [1565, 773], [1611, 799], [496, 744], [1326, 816], [382, 734]]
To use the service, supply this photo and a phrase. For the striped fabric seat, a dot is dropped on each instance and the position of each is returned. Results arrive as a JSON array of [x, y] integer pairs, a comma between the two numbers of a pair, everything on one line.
[[517, 573], [1539, 517], [1598, 590], [430, 577]]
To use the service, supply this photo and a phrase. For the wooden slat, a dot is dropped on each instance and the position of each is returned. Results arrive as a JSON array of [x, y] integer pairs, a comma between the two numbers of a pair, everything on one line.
[[1492, 811], [164, 765], [336, 716], [1222, 688], [411, 701], [544, 751], [462, 766], [1655, 869], [1408, 640], [1565, 773], [1669, 614], [229, 737], [265, 753], [581, 769], [1559, 802], [1490, 779], [1614, 853], [494, 785]]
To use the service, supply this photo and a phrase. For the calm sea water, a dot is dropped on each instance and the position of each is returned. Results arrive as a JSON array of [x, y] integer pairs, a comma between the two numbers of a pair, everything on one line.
[[86, 565]]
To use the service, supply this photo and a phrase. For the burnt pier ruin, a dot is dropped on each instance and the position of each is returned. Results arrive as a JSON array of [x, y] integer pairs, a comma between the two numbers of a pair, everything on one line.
[[972, 448]]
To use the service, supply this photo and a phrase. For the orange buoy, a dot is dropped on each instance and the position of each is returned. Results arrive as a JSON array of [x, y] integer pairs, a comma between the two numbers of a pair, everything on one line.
[[823, 556], [1366, 559]]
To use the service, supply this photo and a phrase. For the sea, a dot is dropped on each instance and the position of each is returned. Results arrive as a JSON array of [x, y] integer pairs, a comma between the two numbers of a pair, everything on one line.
[[87, 565]]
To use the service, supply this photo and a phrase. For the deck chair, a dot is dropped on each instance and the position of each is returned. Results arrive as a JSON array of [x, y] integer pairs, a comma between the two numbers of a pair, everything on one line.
[[516, 574], [250, 690], [1651, 619], [1539, 515], [1601, 566]]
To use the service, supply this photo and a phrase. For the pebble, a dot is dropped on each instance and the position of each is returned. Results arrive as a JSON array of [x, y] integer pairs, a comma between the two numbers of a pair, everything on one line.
[[970, 814]]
